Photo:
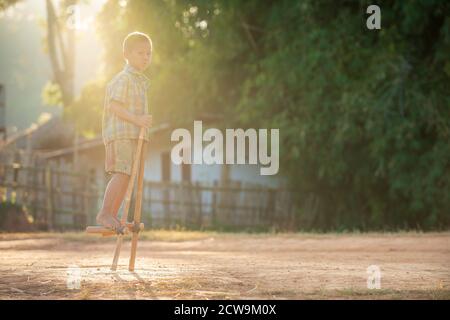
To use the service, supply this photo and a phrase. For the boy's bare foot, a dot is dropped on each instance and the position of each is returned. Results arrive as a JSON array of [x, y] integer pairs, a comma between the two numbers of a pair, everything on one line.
[[108, 221]]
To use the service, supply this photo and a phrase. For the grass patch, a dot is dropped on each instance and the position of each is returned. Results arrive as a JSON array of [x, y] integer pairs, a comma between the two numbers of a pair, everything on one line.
[[175, 235], [79, 236], [391, 294], [180, 234]]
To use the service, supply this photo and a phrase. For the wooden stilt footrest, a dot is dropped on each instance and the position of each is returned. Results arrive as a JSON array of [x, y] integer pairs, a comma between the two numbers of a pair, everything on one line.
[[108, 232]]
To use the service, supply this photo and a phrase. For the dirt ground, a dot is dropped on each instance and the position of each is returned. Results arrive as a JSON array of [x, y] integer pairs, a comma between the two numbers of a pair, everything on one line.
[[206, 265]]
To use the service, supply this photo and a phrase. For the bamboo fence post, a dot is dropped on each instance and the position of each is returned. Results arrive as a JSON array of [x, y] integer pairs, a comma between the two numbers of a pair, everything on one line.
[[49, 197], [214, 204], [199, 212]]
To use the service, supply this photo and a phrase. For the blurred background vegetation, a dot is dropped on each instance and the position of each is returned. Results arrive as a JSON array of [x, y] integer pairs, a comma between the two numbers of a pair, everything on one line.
[[364, 115]]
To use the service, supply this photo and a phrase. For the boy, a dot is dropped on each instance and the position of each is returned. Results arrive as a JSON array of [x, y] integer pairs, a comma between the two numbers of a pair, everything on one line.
[[125, 112]]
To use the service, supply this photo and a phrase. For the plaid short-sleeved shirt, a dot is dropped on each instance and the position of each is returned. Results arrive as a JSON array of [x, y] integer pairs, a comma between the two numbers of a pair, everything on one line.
[[128, 87]]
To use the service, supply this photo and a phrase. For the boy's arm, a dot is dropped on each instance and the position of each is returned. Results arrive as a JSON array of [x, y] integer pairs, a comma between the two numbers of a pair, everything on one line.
[[118, 109]]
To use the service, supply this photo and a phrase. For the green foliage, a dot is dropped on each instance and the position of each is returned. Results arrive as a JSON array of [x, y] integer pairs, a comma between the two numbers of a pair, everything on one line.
[[86, 111], [14, 217], [52, 95], [5, 4], [363, 114]]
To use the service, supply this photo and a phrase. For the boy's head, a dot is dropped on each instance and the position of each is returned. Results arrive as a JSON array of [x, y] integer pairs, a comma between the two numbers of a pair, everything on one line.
[[137, 50]]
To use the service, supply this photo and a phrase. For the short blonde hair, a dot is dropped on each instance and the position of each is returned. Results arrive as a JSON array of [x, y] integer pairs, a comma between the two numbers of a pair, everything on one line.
[[133, 38]]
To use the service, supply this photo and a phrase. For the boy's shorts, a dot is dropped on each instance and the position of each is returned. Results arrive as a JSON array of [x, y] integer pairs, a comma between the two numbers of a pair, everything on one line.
[[119, 155]]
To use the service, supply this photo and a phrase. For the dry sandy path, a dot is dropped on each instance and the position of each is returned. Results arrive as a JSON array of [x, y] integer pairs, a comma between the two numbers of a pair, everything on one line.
[[228, 266]]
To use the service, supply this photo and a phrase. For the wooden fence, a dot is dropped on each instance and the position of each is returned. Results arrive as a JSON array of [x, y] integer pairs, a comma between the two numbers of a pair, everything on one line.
[[59, 199]]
